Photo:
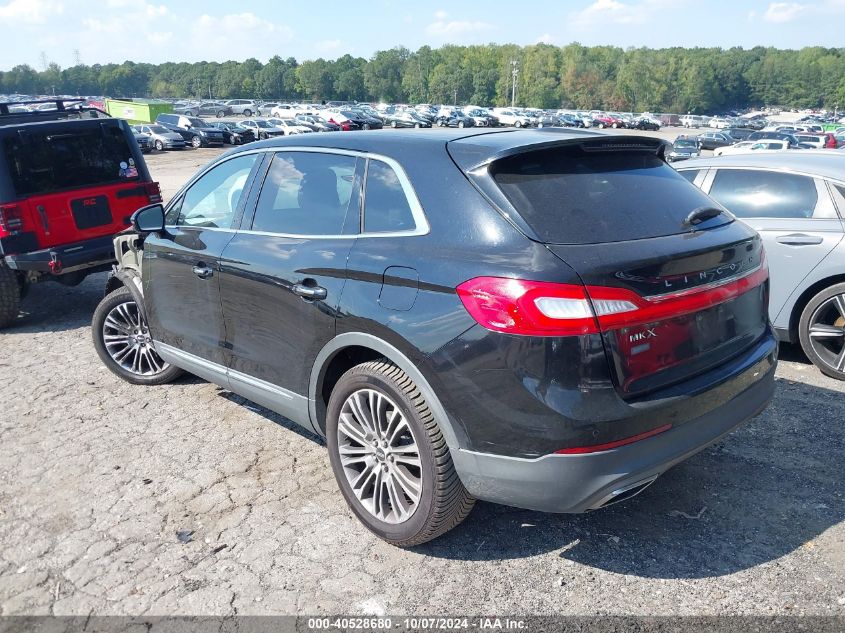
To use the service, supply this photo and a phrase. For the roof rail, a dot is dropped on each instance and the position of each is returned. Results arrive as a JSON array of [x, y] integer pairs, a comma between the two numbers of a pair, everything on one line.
[[65, 109]]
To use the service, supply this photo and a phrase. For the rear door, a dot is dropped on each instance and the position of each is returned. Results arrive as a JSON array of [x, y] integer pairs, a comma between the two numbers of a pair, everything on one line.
[[793, 213], [78, 180], [282, 276], [181, 270]]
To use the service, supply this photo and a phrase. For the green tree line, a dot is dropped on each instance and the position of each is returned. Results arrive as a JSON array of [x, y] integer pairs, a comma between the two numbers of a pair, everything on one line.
[[697, 80]]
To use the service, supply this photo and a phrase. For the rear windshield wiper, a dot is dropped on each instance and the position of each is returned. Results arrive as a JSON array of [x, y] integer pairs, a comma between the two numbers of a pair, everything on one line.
[[699, 215]]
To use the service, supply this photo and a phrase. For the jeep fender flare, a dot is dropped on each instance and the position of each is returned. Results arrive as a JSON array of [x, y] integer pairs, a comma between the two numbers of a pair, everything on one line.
[[395, 356], [132, 281]]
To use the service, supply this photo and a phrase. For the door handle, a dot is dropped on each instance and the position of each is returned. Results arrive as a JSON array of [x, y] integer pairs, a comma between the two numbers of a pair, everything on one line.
[[312, 293], [203, 272], [799, 239]]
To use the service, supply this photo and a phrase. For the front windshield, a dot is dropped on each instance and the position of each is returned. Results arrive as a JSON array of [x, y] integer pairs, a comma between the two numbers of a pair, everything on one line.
[[685, 145]]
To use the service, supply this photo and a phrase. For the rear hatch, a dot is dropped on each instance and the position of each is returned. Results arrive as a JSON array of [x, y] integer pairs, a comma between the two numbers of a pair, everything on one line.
[[675, 295], [75, 180]]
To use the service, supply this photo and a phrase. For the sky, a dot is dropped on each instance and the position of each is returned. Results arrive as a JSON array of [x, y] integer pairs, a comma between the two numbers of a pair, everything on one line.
[[103, 31]]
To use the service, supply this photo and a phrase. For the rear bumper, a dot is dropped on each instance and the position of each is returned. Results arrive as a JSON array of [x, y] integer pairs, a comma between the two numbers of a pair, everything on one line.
[[583, 482], [68, 258]]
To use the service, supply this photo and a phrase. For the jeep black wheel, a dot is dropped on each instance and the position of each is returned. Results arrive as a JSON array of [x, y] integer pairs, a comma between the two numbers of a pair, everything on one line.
[[11, 290], [389, 456], [122, 340]]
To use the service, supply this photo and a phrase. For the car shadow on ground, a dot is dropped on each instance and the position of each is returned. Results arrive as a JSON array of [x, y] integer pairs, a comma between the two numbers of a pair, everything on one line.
[[53, 307], [764, 491]]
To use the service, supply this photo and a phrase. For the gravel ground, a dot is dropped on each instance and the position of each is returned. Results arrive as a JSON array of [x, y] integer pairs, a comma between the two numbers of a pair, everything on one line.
[[186, 499]]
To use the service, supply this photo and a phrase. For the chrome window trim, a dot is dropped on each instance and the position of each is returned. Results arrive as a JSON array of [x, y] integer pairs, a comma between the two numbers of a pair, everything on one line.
[[421, 225]]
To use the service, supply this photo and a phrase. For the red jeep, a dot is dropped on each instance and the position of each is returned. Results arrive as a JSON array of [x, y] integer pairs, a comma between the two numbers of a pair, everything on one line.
[[70, 178]]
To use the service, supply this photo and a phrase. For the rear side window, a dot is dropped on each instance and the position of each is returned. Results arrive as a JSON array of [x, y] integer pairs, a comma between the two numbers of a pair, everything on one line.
[[386, 206], [571, 196], [306, 193], [689, 174], [765, 194], [53, 160]]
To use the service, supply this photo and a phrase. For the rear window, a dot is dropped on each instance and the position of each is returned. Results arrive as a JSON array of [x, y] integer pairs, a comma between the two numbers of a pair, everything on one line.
[[41, 161], [569, 196]]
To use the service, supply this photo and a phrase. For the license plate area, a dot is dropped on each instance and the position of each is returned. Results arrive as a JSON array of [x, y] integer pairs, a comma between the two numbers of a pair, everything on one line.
[[92, 212]]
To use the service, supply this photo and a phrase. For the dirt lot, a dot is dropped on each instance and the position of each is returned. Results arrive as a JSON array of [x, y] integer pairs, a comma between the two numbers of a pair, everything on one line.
[[185, 499]]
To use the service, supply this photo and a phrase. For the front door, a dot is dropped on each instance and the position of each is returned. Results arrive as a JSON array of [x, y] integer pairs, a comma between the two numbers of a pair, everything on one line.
[[181, 267], [282, 277]]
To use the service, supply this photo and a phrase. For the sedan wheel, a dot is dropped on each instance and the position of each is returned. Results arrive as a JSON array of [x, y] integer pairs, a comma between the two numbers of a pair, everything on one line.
[[393, 124], [196, 142], [220, 114], [822, 331], [159, 146], [518, 124], [460, 123]]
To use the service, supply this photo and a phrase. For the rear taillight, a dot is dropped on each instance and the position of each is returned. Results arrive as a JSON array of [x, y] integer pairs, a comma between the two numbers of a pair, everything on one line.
[[11, 219], [539, 308], [153, 192]]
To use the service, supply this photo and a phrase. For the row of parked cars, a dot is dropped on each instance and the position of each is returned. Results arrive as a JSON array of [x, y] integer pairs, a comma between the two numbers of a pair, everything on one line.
[[744, 140], [610, 318]]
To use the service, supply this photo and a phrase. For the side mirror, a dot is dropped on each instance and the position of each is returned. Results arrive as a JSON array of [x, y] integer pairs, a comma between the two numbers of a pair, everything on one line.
[[149, 219]]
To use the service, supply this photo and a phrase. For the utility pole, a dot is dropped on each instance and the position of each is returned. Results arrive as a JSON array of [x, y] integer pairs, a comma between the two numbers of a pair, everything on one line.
[[514, 73]]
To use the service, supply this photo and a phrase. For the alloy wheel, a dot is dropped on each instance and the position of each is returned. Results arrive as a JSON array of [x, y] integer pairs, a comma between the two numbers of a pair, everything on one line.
[[127, 340], [827, 332], [379, 456]]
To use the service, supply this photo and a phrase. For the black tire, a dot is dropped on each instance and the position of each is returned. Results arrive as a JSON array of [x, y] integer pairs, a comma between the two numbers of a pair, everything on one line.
[[461, 124], [601, 126], [159, 146], [444, 502], [11, 290], [116, 298], [247, 113], [220, 114], [366, 126], [518, 124], [196, 142], [824, 309]]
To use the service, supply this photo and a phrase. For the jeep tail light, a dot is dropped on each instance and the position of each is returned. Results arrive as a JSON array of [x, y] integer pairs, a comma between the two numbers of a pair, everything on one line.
[[541, 308], [11, 219], [153, 192]]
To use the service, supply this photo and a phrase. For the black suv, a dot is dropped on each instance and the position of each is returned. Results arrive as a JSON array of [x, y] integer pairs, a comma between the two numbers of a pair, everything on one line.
[[548, 319], [196, 132]]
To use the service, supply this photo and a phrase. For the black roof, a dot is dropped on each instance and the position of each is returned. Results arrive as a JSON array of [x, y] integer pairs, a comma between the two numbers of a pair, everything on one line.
[[469, 147]]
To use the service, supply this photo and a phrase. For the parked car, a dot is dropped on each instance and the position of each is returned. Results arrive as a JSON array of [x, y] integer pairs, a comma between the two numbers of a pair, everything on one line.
[[608, 120], [719, 123], [738, 133], [712, 140], [195, 131], [244, 107], [345, 123], [796, 202], [508, 116], [510, 316], [365, 120], [317, 124], [405, 119], [162, 138], [234, 133], [266, 109], [646, 123], [69, 181], [743, 147], [571, 120], [262, 129], [143, 141], [783, 136], [456, 119], [813, 141], [207, 108], [684, 148], [290, 126]]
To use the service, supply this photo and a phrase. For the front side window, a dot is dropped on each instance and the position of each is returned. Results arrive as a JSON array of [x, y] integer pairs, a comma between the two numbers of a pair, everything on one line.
[[212, 200], [765, 194], [306, 193], [386, 206]]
